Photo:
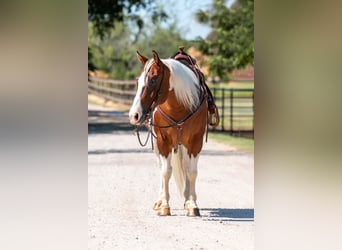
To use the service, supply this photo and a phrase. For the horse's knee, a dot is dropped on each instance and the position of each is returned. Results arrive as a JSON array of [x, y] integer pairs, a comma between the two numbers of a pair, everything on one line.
[[192, 169], [166, 172], [165, 166]]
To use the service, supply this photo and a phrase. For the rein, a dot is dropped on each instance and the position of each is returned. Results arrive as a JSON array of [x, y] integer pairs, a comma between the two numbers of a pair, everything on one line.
[[136, 130]]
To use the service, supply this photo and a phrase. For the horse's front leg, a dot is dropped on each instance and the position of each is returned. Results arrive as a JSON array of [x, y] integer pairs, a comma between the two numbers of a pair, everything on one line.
[[162, 205], [190, 204]]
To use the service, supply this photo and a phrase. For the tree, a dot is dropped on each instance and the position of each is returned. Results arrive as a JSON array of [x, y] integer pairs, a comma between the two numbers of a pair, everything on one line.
[[231, 44], [105, 19], [104, 14], [116, 55], [163, 40]]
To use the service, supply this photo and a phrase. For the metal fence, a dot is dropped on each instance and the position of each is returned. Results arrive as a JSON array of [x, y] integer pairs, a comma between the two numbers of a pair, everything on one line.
[[236, 106], [236, 109]]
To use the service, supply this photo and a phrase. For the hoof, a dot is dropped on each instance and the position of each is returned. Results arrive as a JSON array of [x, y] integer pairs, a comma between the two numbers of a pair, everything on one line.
[[161, 210], [191, 211], [164, 211]]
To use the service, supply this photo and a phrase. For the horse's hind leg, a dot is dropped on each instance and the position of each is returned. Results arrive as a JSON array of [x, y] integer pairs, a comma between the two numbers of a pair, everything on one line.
[[162, 205], [190, 204]]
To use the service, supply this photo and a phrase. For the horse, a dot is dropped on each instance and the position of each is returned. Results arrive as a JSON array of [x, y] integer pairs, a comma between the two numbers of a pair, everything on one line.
[[170, 96]]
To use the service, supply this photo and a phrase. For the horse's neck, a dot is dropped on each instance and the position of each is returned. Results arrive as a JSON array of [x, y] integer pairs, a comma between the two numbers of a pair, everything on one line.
[[173, 108]]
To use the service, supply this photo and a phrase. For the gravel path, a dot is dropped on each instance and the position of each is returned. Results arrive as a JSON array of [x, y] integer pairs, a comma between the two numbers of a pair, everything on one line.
[[123, 184]]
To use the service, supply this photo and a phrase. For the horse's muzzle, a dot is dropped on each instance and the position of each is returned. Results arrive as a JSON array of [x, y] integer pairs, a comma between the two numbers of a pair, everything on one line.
[[137, 118]]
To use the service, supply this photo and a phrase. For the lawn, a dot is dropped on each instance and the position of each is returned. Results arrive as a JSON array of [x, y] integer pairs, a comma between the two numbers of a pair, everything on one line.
[[241, 144]]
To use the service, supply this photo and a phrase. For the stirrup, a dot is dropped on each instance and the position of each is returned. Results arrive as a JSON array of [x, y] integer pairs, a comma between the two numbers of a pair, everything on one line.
[[214, 118]]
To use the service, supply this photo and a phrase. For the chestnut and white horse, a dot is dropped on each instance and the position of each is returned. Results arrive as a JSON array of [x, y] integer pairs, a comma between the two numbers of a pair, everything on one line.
[[171, 96]]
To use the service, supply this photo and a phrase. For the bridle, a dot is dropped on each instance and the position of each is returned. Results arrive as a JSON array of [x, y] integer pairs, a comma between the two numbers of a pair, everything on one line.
[[158, 93], [152, 106]]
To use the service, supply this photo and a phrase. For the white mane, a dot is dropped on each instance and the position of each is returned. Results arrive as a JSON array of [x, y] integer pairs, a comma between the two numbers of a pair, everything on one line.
[[184, 82]]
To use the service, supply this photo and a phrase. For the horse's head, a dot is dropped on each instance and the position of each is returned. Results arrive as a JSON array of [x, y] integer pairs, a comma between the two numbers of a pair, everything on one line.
[[153, 85]]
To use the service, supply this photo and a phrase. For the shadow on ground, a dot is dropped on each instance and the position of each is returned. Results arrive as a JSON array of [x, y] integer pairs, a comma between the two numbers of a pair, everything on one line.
[[100, 121], [229, 214], [148, 150], [120, 151]]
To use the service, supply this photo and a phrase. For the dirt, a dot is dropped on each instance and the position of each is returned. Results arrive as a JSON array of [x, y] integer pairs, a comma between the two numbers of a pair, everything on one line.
[[123, 184]]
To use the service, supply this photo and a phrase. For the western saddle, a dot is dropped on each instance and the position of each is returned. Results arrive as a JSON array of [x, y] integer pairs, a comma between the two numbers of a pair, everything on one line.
[[183, 57]]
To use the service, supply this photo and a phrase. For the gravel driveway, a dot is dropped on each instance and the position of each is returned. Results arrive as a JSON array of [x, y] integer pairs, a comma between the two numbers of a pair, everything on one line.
[[123, 184]]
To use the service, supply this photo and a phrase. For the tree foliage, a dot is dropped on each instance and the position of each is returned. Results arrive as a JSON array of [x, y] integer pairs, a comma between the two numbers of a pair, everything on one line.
[[104, 14], [116, 55], [163, 40], [114, 28], [231, 44], [113, 55]]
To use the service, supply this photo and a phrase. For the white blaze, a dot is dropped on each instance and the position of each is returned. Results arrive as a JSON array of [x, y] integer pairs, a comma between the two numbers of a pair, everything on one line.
[[136, 107]]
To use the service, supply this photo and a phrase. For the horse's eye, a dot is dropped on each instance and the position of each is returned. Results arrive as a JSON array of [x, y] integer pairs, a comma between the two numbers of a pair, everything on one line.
[[153, 81]]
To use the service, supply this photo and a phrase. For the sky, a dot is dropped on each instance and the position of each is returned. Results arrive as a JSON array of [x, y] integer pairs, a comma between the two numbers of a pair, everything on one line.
[[184, 13]]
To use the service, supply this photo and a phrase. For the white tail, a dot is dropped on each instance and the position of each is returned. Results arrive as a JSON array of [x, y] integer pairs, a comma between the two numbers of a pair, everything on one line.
[[178, 170]]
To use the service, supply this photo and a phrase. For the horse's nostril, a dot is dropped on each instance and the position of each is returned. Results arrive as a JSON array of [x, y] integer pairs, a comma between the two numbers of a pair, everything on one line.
[[136, 116]]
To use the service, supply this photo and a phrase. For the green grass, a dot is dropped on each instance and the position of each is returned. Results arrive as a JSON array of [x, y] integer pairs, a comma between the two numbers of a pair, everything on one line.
[[241, 144], [245, 123]]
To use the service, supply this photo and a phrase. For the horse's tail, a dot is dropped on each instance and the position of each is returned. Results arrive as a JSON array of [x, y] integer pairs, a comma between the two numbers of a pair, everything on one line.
[[178, 168]]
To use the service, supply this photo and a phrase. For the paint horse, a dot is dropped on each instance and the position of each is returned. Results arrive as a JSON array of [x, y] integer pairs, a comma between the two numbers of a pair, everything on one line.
[[171, 97]]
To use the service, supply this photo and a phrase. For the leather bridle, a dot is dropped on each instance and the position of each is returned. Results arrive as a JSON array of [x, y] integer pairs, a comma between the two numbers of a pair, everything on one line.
[[154, 102]]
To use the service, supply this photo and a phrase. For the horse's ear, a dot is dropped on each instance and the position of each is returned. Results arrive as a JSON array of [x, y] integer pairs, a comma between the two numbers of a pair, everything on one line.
[[142, 58], [156, 57]]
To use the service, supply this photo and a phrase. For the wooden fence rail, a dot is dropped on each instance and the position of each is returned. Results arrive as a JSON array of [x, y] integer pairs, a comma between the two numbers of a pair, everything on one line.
[[236, 106], [116, 90]]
